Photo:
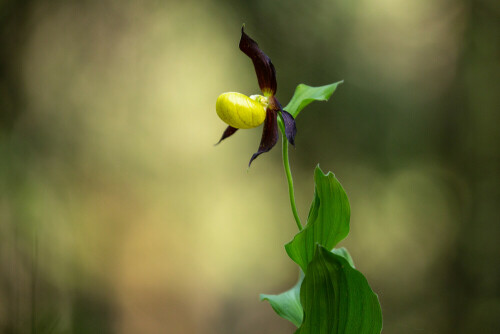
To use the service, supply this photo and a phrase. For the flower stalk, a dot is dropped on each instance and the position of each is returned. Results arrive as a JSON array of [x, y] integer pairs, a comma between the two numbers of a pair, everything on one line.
[[288, 172]]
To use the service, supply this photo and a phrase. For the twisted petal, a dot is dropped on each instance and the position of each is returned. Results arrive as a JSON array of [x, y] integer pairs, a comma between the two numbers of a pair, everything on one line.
[[290, 127], [266, 74], [269, 134], [288, 120], [227, 133]]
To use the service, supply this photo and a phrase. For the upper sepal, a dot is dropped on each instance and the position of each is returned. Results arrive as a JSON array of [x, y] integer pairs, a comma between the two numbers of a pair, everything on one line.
[[264, 68]]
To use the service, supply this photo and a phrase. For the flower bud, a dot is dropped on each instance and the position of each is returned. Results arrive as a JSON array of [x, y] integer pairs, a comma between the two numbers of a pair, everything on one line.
[[241, 111]]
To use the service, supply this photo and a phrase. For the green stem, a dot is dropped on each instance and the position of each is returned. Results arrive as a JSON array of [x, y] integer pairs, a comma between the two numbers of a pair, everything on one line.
[[288, 172]]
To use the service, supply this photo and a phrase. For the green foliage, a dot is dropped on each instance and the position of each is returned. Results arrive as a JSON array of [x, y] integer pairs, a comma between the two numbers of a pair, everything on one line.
[[305, 94], [287, 304], [331, 296], [337, 298], [327, 223], [345, 254]]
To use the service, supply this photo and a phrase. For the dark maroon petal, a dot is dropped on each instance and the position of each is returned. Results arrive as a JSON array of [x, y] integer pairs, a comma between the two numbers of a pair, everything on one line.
[[288, 120], [290, 127], [266, 74], [227, 133], [269, 134]]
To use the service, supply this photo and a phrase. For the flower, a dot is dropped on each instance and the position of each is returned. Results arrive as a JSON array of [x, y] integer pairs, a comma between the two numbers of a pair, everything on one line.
[[242, 112]]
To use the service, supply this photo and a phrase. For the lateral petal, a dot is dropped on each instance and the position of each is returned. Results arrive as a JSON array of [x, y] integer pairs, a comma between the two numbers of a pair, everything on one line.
[[227, 133], [269, 134], [288, 120], [290, 127]]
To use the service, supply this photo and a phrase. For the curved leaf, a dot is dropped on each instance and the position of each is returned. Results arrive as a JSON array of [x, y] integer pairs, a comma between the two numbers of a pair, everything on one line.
[[328, 221], [342, 251], [337, 298], [287, 304], [305, 94]]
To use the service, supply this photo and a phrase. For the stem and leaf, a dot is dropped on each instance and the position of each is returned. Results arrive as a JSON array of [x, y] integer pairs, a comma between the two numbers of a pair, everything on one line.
[[331, 296]]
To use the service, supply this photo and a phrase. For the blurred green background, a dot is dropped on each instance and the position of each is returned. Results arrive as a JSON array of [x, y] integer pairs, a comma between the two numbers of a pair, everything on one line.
[[118, 215]]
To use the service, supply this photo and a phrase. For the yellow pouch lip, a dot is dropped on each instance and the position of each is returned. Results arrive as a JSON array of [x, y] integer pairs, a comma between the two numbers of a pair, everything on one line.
[[240, 111]]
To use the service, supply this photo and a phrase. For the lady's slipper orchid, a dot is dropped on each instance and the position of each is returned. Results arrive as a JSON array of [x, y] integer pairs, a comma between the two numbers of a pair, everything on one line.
[[242, 112]]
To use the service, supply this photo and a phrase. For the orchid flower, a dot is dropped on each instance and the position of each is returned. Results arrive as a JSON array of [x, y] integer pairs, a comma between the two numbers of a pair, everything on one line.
[[242, 112]]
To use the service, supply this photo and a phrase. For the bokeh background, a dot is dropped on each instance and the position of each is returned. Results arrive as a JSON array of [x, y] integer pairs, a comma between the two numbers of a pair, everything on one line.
[[118, 215]]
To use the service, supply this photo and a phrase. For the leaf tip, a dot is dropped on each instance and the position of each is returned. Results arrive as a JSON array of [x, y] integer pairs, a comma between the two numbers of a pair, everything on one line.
[[319, 172]]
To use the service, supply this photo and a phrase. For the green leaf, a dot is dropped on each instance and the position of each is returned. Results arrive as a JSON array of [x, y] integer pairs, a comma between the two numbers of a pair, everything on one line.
[[345, 254], [337, 298], [328, 221], [305, 94], [287, 304]]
